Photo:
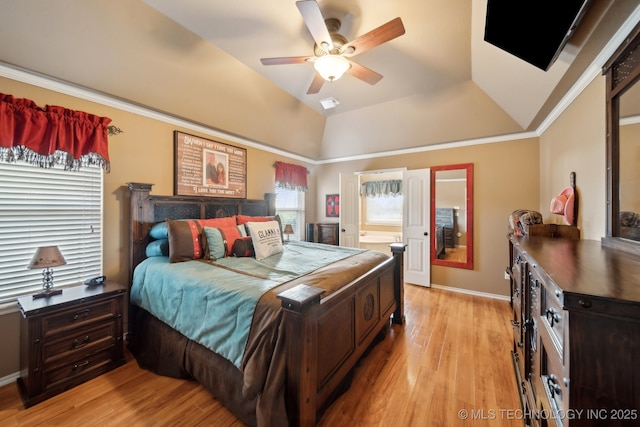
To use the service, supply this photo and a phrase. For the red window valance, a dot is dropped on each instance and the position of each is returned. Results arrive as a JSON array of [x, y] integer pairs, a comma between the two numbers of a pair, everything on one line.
[[290, 176], [51, 135]]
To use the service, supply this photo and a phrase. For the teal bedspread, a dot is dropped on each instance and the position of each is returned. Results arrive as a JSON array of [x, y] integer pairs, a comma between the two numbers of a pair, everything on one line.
[[212, 302]]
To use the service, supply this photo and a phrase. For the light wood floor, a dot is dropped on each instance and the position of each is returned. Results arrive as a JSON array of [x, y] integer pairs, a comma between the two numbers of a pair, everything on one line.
[[451, 356]]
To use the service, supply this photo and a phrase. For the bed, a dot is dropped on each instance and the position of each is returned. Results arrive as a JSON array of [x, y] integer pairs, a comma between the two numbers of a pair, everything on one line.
[[307, 332]]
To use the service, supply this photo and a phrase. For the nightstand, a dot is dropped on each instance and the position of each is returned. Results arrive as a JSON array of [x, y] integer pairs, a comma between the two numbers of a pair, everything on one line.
[[68, 339], [327, 233]]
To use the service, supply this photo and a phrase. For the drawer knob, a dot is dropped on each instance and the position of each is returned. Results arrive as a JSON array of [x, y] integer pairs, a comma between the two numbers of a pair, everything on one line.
[[81, 314], [80, 365], [552, 316], [584, 303], [552, 382], [78, 343]]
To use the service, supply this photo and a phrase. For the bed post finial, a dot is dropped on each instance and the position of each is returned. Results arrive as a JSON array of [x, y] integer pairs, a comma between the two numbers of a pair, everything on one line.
[[139, 222], [397, 249], [270, 198]]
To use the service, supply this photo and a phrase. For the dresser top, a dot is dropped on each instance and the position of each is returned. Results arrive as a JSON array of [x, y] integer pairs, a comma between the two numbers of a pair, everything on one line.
[[31, 306], [585, 267]]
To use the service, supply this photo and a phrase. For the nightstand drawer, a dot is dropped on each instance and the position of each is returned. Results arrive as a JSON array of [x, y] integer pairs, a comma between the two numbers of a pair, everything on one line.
[[78, 316], [83, 341], [79, 367]]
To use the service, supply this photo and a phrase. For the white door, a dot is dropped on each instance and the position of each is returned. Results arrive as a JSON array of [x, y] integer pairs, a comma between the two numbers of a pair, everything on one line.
[[349, 210], [416, 194]]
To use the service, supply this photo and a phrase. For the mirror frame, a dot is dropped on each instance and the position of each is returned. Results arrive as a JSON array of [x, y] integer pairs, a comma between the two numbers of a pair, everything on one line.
[[621, 72], [468, 264]]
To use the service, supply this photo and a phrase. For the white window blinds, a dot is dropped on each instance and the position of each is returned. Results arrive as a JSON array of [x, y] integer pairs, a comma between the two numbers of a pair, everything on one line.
[[48, 207], [290, 207]]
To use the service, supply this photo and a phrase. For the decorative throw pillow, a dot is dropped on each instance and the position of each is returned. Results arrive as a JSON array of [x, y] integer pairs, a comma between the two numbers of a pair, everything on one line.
[[157, 248], [227, 221], [213, 243], [219, 244], [159, 231], [243, 219], [184, 240], [243, 247], [266, 237]]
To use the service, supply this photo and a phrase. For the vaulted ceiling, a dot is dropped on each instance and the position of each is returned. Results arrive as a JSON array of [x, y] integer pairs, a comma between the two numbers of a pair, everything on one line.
[[200, 60]]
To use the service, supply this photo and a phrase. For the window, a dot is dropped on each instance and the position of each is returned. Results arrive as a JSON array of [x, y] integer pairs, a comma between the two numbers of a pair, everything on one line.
[[290, 207], [46, 207], [381, 199], [383, 210]]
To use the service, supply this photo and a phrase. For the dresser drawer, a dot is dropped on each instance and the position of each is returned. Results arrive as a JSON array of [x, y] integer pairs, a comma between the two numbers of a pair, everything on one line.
[[552, 316], [78, 316], [553, 386], [82, 366], [85, 340]]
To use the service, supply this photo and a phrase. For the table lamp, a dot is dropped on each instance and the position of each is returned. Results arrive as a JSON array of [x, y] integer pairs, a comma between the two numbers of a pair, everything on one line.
[[288, 230], [47, 257]]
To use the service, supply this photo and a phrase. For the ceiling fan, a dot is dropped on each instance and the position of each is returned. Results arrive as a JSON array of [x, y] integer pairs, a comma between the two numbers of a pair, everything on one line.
[[332, 50]]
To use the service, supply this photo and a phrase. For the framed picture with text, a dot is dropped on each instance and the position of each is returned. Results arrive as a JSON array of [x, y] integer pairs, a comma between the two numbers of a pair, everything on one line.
[[204, 167]]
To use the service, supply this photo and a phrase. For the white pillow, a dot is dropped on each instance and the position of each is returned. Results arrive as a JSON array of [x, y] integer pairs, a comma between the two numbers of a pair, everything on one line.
[[266, 238]]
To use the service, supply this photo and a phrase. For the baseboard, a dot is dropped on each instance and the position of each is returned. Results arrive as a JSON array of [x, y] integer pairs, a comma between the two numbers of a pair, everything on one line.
[[9, 379], [474, 293]]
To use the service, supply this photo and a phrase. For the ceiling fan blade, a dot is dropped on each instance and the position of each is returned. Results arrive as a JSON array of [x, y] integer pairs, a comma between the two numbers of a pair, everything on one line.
[[316, 84], [285, 60], [373, 38], [312, 16], [363, 73]]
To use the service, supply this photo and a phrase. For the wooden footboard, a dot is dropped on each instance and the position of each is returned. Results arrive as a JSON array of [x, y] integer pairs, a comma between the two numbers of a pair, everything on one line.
[[326, 337]]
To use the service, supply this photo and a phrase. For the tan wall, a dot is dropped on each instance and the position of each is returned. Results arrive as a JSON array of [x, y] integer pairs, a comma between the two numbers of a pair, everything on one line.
[[576, 142], [505, 178]]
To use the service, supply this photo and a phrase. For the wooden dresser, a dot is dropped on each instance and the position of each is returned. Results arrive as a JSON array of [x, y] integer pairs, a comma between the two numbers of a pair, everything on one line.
[[69, 338], [327, 232], [576, 325]]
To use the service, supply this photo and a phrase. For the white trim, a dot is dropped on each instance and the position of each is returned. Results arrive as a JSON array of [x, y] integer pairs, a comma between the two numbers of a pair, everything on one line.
[[8, 379], [470, 292], [631, 120], [434, 147], [8, 308]]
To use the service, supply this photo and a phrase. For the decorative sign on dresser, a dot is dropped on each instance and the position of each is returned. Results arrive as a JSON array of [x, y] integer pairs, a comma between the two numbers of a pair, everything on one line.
[[70, 338], [576, 331]]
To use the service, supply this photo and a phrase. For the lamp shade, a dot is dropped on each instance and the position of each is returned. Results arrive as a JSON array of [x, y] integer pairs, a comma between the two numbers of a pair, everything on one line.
[[288, 229], [331, 67], [47, 256]]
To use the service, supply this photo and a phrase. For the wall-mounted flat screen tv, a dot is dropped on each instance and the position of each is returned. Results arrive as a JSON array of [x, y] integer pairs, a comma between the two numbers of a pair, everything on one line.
[[535, 31]]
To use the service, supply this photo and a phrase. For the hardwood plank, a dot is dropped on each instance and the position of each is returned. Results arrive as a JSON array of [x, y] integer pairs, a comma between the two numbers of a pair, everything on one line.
[[451, 355]]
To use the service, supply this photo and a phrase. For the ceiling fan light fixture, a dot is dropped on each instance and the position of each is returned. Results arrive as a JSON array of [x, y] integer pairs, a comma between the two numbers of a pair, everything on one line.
[[331, 67]]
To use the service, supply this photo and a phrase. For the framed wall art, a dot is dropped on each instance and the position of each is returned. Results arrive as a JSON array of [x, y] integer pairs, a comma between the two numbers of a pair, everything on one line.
[[333, 206], [203, 167]]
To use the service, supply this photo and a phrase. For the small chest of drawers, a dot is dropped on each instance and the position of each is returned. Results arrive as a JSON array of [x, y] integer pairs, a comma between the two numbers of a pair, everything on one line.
[[68, 339], [328, 233]]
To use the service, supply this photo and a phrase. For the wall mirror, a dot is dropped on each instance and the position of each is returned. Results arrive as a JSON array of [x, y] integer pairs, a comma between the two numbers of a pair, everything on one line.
[[452, 215], [623, 145]]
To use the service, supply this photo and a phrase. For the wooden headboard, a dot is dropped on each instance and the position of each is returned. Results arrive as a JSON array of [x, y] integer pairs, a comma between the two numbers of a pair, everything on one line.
[[147, 210]]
